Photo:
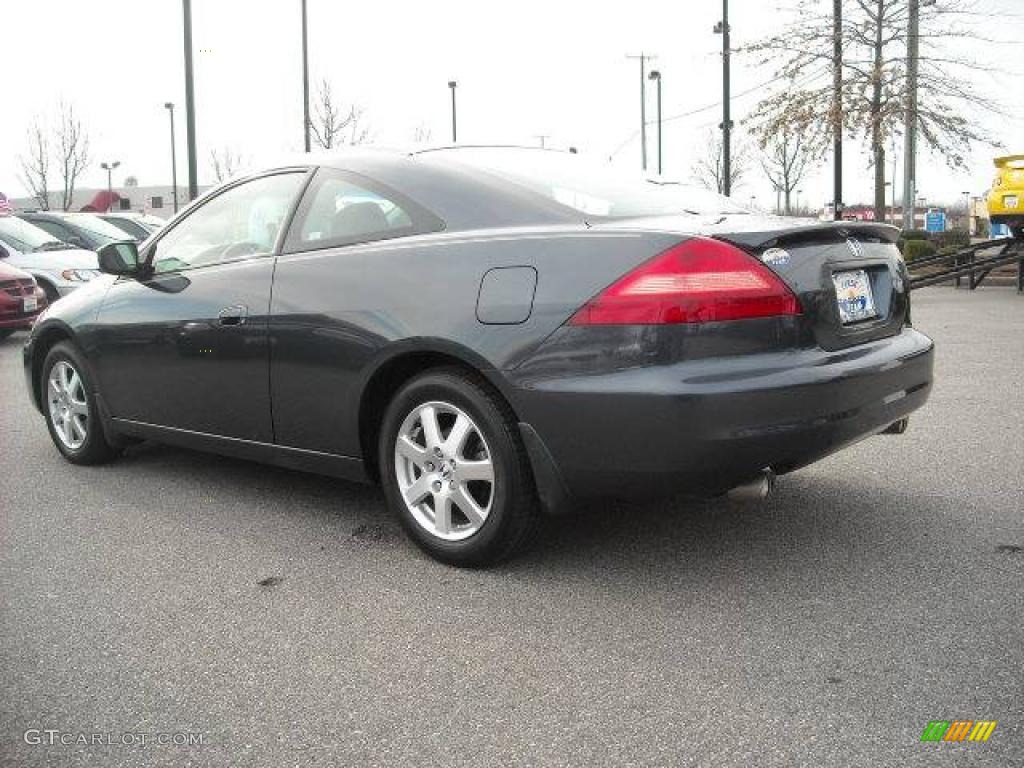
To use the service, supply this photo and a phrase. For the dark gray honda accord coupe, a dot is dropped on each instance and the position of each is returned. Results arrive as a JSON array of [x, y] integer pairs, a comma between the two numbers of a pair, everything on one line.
[[491, 334]]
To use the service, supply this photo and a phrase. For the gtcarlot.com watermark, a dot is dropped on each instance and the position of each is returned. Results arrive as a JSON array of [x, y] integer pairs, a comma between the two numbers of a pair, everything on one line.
[[53, 737]]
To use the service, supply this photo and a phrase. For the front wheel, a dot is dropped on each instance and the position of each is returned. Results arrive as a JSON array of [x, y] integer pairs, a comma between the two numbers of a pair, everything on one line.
[[69, 404], [454, 469]]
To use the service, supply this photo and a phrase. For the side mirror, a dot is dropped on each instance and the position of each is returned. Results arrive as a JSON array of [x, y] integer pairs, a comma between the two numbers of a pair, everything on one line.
[[119, 258]]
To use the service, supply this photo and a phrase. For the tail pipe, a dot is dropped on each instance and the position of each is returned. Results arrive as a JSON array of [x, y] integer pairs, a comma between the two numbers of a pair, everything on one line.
[[756, 490]]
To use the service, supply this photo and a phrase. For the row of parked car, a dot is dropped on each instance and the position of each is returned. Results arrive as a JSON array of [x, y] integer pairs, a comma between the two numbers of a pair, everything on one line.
[[45, 255]]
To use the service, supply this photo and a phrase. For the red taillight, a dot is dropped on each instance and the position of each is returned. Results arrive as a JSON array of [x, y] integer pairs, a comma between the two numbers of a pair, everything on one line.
[[698, 281]]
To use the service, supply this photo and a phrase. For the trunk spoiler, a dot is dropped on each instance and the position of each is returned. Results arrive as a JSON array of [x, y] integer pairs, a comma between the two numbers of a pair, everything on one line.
[[826, 232]]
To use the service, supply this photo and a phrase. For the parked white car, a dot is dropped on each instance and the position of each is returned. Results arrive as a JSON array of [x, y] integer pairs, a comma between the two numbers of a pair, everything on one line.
[[57, 267]]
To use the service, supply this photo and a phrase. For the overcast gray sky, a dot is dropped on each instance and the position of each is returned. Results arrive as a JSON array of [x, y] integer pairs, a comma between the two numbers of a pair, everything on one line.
[[524, 68]]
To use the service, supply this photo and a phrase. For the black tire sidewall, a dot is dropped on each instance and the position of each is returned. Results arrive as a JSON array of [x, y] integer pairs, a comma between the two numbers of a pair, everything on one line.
[[95, 447], [488, 544]]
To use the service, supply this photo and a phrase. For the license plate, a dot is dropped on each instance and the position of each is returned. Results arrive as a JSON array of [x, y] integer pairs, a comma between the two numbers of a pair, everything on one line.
[[853, 292], [31, 304], [1009, 201]]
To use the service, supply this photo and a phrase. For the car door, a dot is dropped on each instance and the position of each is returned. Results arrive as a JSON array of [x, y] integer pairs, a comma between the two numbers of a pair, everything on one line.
[[186, 345], [322, 333]]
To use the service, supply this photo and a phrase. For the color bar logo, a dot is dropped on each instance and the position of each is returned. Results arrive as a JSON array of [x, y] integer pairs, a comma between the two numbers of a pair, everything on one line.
[[958, 730]]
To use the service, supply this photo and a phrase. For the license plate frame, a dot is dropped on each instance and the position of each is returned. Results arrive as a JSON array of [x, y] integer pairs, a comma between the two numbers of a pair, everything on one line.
[[1011, 201], [29, 304], [855, 299]]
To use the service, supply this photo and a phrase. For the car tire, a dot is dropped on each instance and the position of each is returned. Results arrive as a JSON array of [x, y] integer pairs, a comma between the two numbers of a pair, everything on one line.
[[51, 293], [455, 513], [70, 408]]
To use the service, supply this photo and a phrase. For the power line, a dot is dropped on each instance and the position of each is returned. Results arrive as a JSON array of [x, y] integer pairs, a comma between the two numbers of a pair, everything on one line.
[[714, 105]]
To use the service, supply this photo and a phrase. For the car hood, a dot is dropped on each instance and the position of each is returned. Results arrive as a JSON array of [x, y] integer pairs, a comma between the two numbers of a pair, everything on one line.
[[55, 261]]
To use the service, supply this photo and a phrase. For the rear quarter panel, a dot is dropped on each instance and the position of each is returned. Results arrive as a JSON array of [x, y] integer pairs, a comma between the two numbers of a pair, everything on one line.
[[338, 314]]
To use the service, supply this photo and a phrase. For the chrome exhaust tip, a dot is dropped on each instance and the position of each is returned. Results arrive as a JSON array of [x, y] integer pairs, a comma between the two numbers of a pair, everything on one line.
[[756, 490], [897, 427]]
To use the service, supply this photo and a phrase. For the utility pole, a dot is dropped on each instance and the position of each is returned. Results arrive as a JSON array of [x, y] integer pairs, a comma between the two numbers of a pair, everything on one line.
[[656, 76], [190, 104], [644, 58], [452, 84], [837, 108], [722, 28], [910, 126], [169, 106], [305, 80]]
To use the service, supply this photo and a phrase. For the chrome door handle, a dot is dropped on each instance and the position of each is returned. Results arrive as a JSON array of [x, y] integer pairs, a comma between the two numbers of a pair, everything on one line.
[[233, 315]]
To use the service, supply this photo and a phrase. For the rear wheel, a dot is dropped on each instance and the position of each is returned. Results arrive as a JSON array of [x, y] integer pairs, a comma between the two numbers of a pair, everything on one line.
[[69, 404], [454, 469]]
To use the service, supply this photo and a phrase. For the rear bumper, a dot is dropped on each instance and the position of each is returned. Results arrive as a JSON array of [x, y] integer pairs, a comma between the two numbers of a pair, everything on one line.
[[707, 425]]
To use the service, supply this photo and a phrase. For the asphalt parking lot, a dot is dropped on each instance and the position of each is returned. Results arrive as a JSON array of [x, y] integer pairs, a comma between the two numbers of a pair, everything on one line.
[[284, 618]]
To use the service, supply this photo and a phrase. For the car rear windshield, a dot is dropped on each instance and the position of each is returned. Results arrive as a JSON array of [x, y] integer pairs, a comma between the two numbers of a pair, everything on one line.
[[591, 188], [24, 236]]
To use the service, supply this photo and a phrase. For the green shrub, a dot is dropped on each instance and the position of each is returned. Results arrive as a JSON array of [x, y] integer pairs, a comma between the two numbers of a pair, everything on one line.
[[915, 234], [951, 239], [916, 249]]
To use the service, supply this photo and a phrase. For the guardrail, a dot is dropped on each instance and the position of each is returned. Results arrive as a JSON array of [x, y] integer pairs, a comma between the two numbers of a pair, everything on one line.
[[965, 262]]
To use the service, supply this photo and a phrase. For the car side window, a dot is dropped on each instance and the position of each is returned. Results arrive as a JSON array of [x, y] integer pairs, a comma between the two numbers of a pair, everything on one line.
[[341, 208], [241, 222]]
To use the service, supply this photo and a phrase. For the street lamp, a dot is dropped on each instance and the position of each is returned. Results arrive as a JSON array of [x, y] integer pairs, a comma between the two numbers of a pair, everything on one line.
[[967, 210], [656, 76], [109, 168], [452, 84], [886, 217], [169, 106], [722, 28]]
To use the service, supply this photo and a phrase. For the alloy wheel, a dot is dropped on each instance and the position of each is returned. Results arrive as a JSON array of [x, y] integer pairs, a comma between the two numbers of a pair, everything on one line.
[[444, 470], [69, 407]]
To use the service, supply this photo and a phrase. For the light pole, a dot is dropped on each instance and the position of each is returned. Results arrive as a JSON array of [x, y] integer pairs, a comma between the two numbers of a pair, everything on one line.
[[656, 77], [109, 168], [910, 119], [722, 28], [643, 58], [452, 84], [190, 104], [305, 81], [169, 106], [886, 217], [837, 108]]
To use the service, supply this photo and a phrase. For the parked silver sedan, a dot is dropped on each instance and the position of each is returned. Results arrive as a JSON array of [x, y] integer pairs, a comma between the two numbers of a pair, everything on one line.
[[59, 268]]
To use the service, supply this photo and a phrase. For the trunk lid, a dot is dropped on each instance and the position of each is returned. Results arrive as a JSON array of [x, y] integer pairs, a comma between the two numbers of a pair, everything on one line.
[[820, 262]]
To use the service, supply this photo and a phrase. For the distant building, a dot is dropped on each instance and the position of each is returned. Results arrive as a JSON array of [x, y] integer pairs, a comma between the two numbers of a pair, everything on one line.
[[892, 215], [155, 200]]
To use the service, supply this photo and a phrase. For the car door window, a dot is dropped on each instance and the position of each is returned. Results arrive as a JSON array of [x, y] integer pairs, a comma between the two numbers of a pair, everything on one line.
[[342, 208], [241, 222]]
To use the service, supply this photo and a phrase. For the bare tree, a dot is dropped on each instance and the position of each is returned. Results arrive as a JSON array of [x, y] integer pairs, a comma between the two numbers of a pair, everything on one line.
[[784, 160], [874, 93], [335, 125], [225, 162], [709, 170], [35, 164], [73, 151]]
